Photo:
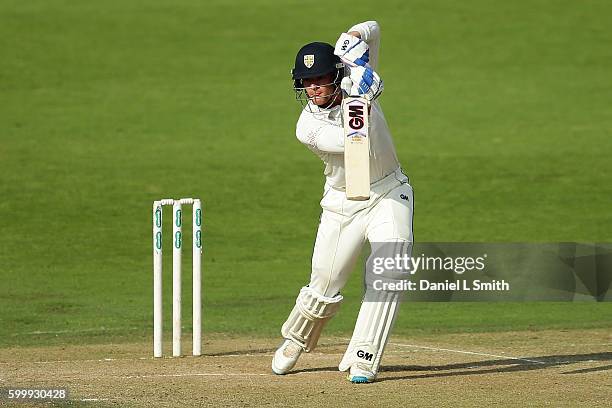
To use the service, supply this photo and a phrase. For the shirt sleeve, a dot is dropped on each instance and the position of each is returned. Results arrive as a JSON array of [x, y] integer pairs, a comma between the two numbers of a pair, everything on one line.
[[370, 33], [325, 137]]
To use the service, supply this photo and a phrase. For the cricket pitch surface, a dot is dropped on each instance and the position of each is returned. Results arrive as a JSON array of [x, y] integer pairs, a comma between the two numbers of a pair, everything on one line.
[[528, 368]]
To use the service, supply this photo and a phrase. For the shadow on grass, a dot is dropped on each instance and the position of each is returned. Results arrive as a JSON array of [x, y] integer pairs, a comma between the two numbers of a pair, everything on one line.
[[482, 367], [261, 350], [500, 366]]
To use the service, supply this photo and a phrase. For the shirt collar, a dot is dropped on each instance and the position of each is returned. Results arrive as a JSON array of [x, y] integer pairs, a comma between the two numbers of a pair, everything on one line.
[[330, 114]]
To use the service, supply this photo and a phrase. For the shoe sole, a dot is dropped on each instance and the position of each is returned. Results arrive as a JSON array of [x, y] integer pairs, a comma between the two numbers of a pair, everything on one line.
[[358, 379]]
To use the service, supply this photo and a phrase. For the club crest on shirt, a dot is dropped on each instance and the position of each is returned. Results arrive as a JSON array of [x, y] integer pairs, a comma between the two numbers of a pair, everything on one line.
[[309, 60]]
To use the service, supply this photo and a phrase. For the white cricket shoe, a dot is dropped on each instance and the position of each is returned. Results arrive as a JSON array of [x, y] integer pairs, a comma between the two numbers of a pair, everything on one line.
[[286, 356], [360, 373]]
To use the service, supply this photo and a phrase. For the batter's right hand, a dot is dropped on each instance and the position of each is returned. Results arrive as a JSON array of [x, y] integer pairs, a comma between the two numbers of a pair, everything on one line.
[[352, 50]]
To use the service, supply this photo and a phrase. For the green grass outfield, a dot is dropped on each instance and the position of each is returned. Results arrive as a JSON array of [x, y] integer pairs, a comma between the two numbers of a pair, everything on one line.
[[500, 112]]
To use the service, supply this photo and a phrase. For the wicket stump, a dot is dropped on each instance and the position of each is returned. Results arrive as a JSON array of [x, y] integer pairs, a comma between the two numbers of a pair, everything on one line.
[[177, 240]]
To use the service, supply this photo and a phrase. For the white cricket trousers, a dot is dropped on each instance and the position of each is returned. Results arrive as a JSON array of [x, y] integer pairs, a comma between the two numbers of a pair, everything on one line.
[[346, 225]]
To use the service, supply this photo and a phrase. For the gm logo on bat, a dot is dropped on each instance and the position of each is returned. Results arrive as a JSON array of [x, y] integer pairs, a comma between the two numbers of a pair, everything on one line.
[[356, 120]]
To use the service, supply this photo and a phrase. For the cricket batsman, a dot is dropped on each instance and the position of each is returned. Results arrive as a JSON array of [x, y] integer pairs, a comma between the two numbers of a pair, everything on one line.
[[345, 225]]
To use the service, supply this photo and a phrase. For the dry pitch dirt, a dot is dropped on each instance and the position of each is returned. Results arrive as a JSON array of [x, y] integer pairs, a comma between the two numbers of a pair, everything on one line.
[[540, 368]]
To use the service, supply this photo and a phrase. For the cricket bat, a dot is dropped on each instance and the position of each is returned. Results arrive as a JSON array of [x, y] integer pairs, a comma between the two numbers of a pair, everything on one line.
[[356, 147]]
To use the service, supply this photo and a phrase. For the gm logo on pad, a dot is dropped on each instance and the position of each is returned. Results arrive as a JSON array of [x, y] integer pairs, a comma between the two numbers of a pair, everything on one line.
[[364, 355]]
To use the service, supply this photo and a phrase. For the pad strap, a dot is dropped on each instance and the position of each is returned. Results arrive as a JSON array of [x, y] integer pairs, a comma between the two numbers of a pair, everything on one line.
[[305, 322]]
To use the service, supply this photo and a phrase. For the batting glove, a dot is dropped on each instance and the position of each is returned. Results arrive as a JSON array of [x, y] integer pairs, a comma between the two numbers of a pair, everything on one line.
[[364, 82], [352, 50]]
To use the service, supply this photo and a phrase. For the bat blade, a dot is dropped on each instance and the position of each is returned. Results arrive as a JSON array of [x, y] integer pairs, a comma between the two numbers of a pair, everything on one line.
[[356, 148]]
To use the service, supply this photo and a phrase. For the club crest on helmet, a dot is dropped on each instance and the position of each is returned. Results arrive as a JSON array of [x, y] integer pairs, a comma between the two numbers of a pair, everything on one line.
[[309, 60]]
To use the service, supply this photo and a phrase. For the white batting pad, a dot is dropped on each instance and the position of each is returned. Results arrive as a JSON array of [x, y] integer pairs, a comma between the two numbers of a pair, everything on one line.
[[305, 322], [374, 324]]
